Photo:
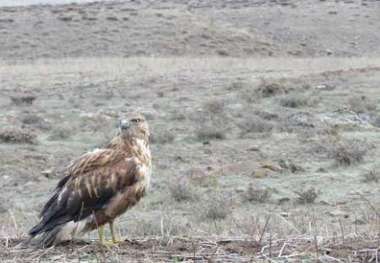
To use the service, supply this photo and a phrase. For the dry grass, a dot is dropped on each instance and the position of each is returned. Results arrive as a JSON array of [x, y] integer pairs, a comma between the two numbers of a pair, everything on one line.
[[15, 135], [208, 132], [23, 99], [295, 100], [256, 194], [60, 133], [217, 207], [181, 190], [254, 124], [361, 104], [371, 177], [346, 153], [307, 196], [162, 137], [269, 89]]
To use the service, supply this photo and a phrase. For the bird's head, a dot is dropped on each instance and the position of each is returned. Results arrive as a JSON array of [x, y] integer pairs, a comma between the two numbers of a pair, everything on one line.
[[134, 127]]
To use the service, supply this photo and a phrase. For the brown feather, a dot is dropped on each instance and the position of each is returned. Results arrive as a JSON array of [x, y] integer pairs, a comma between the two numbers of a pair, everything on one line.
[[100, 185]]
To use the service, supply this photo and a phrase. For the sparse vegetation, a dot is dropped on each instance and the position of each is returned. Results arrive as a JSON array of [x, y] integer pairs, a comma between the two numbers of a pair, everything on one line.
[[23, 99], [269, 89], [60, 133], [371, 176], [36, 121], [256, 194], [216, 208], [181, 190], [361, 104], [162, 137], [295, 100], [214, 106], [307, 196], [347, 153], [255, 124], [205, 133], [14, 135], [236, 99]]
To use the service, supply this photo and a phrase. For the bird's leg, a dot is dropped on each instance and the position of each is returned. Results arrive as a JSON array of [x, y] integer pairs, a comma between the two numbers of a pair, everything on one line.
[[114, 239], [101, 234], [102, 239]]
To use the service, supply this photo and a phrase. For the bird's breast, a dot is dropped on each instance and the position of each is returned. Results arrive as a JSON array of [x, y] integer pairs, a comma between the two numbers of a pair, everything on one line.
[[144, 174]]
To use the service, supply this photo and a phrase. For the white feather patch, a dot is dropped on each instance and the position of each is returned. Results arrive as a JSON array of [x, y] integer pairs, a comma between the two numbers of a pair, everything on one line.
[[73, 229]]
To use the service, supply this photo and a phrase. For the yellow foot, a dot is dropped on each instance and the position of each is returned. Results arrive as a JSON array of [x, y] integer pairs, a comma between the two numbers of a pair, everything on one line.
[[110, 243]]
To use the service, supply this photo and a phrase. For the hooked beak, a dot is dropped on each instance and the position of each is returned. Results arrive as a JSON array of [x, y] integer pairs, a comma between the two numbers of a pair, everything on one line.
[[124, 124]]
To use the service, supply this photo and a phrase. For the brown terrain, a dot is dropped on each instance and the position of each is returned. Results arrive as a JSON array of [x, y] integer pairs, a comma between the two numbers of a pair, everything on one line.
[[265, 118]]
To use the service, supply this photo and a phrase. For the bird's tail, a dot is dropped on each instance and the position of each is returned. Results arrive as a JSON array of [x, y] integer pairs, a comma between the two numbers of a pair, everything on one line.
[[48, 234], [44, 239]]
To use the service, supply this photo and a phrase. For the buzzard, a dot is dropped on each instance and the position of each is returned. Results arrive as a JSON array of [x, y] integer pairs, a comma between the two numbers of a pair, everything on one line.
[[98, 187]]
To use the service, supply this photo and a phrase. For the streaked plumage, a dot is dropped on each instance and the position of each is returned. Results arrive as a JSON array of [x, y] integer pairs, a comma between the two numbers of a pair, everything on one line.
[[98, 186]]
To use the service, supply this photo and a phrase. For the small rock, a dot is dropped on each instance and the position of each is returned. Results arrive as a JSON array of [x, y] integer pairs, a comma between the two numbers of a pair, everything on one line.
[[338, 213], [283, 200], [47, 173], [260, 173], [271, 166]]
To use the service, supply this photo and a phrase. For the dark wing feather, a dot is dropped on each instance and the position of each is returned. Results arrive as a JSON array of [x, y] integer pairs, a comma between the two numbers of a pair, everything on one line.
[[91, 181]]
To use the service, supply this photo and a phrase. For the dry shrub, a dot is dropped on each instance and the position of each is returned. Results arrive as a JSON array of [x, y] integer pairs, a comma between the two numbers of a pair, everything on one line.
[[295, 100], [361, 104], [181, 190], [237, 85], [265, 89], [255, 124], [307, 196], [164, 226], [206, 132], [35, 121], [60, 133], [162, 138], [348, 153], [371, 176], [256, 194], [24, 99], [15, 135], [376, 121], [269, 89], [216, 208], [214, 106]]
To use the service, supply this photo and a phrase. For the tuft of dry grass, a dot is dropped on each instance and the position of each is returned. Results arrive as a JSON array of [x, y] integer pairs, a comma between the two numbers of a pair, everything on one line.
[[207, 132], [214, 106], [36, 121], [181, 190], [371, 176], [23, 99], [162, 137], [295, 100], [60, 133], [361, 104], [269, 89], [307, 196], [256, 194], [346, 153], [216, 208], [15, 135], [254, 124]]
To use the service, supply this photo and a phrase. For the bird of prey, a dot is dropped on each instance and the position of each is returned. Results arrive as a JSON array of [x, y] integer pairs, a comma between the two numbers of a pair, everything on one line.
[[98, 187]]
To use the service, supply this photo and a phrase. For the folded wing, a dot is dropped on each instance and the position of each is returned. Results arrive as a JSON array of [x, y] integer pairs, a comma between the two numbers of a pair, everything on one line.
[[90, 183]]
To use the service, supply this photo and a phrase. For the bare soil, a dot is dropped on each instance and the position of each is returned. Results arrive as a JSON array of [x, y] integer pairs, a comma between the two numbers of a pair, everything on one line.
[[265, 118]]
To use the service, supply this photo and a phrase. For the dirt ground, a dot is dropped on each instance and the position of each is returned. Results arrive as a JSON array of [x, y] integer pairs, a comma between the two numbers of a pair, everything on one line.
[[265, 118]]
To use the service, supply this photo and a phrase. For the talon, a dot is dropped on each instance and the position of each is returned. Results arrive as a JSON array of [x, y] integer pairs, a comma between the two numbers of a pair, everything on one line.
[[109, 243]]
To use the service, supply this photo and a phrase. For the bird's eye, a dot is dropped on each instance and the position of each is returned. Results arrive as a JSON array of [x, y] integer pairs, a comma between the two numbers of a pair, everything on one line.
[[135, 120]]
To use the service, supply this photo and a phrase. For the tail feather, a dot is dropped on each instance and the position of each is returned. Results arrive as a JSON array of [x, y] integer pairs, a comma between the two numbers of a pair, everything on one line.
[[44, 240]]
